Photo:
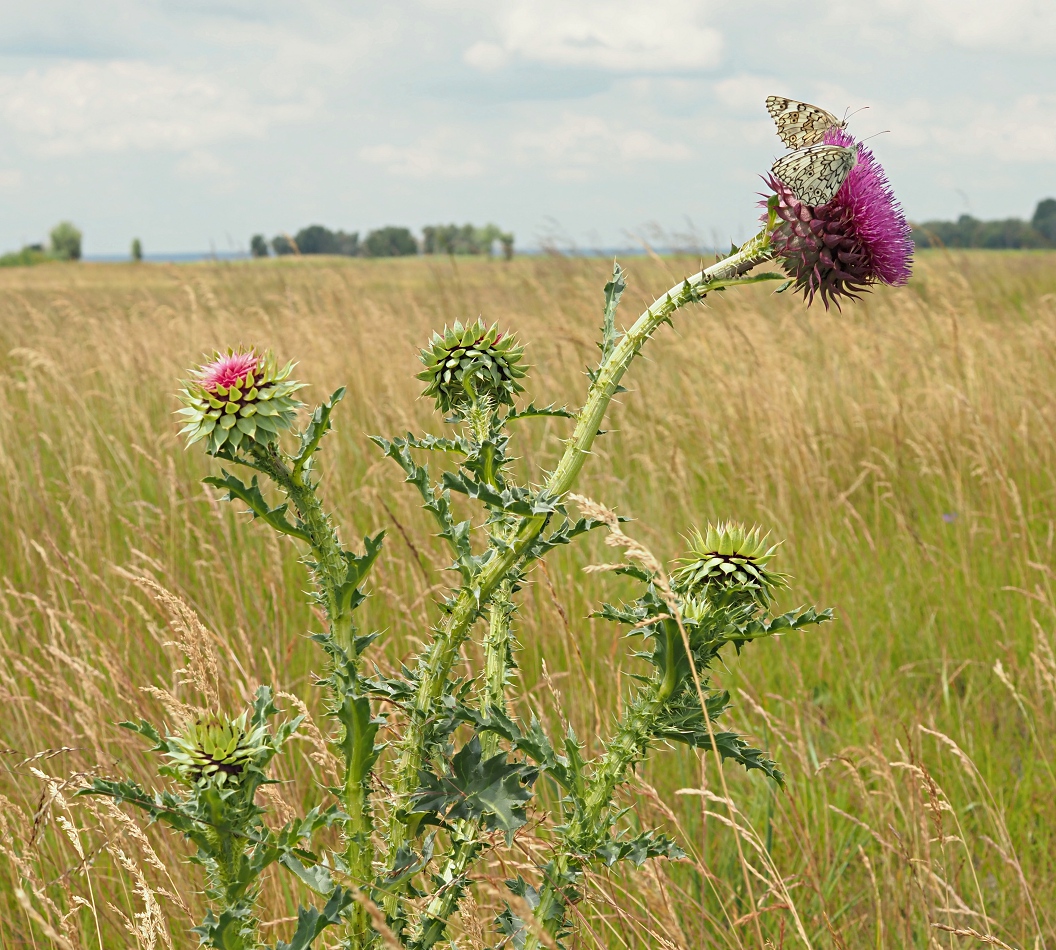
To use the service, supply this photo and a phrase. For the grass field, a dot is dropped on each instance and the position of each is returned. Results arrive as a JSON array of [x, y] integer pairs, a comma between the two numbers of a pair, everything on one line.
[[903, 451]]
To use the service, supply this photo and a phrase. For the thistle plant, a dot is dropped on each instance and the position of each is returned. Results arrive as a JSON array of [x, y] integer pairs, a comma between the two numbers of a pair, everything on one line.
[[437, 768], [219, 763]]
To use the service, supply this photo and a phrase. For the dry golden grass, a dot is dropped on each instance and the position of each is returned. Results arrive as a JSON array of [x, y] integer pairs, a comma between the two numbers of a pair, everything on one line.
[[904, 451]]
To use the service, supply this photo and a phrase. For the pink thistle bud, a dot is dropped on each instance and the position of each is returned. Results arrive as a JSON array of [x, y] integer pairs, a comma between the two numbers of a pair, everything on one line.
[[238, 398], [227, 371]]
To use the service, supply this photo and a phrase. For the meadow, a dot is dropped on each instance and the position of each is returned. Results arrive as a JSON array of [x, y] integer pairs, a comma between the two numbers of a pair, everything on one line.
[[903, 452]]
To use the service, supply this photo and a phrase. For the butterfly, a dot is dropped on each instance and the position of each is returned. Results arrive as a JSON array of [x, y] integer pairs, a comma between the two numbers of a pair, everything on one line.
[[799, 123], [815, 173]]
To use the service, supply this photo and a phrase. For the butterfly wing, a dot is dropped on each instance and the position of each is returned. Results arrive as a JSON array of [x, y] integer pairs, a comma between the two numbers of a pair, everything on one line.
[[800, 124], [816, 173]]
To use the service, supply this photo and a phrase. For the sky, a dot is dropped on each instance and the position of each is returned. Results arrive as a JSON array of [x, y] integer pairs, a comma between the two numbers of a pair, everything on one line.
[[586, 123]]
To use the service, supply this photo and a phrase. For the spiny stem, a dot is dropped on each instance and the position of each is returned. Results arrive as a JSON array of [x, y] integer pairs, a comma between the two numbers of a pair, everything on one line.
[[439, 658], [493, 697], [233, 891], [330, 571], [330, 567], [497, 647], [627, 745]]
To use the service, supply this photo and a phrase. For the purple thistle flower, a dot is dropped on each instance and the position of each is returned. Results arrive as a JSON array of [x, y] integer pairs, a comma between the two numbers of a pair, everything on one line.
[[859, 238]]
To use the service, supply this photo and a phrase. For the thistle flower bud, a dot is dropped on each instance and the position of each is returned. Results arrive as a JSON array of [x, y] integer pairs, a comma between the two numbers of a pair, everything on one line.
[[217, 751], [727, 558], [471, 365], [238, 397]]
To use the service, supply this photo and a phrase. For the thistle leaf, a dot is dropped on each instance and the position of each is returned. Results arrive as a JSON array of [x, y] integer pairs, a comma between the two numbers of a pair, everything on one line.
[[359, 565], [317, 427], [312, 922], [533, 411], [638, 849], [250, 494], [357, 741], [492, 790], [613, 291]]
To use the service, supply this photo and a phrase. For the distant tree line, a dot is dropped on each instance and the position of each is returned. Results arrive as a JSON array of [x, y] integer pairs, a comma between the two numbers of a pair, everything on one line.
[[967, 231], [65, 245], [452, 239], [387, 242]]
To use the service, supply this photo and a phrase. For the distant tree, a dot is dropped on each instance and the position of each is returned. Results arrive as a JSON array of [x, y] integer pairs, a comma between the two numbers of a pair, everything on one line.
[[316, 239], [281, 245], [347, 244], [30, 254], [258, 246], [489, 234], [66, 241], [967, 231], [389, 242], [137, 250], [1044, 219], [467, 239]]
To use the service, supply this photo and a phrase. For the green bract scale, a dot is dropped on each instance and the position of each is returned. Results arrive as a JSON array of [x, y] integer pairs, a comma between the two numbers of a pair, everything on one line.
[[217, 751], [727, 557], [238, 397], [470, 364]]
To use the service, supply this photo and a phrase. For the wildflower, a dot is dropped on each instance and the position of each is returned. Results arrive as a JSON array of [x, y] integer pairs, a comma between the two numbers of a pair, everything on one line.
[[471, 364], [730, 559], [238, 397], [857, 239], [217, 751]]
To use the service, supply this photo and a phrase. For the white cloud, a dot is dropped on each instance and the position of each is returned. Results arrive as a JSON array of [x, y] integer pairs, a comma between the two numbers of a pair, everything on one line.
[[623, 36], [10, 178], [440, 156], [487, 57], [581, 146], [1013, 25], [201, 164], [747, 93], [115, 106], [1019, 132]]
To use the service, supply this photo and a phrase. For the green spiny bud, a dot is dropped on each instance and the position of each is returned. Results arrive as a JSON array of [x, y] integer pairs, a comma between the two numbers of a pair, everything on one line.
[[729, 558], [468, 365], [238, 397], [217, 751]]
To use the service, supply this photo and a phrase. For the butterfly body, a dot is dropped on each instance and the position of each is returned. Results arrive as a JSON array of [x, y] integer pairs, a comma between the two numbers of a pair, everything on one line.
[[815, 173], [800, 124]]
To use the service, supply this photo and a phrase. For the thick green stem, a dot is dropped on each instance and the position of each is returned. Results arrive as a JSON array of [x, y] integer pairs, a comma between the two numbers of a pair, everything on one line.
[[330, 567], [623, 750], [497, 648], [493, 697], [437, 661], [331, 571], [232, 890]]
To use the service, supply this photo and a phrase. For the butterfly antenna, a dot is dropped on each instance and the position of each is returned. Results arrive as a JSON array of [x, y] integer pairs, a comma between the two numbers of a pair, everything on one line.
[[875, 134], [848, 115]]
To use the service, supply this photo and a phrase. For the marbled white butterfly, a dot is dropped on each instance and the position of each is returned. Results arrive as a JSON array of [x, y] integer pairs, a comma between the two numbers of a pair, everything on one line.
[[815, 173], [799, 123]]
